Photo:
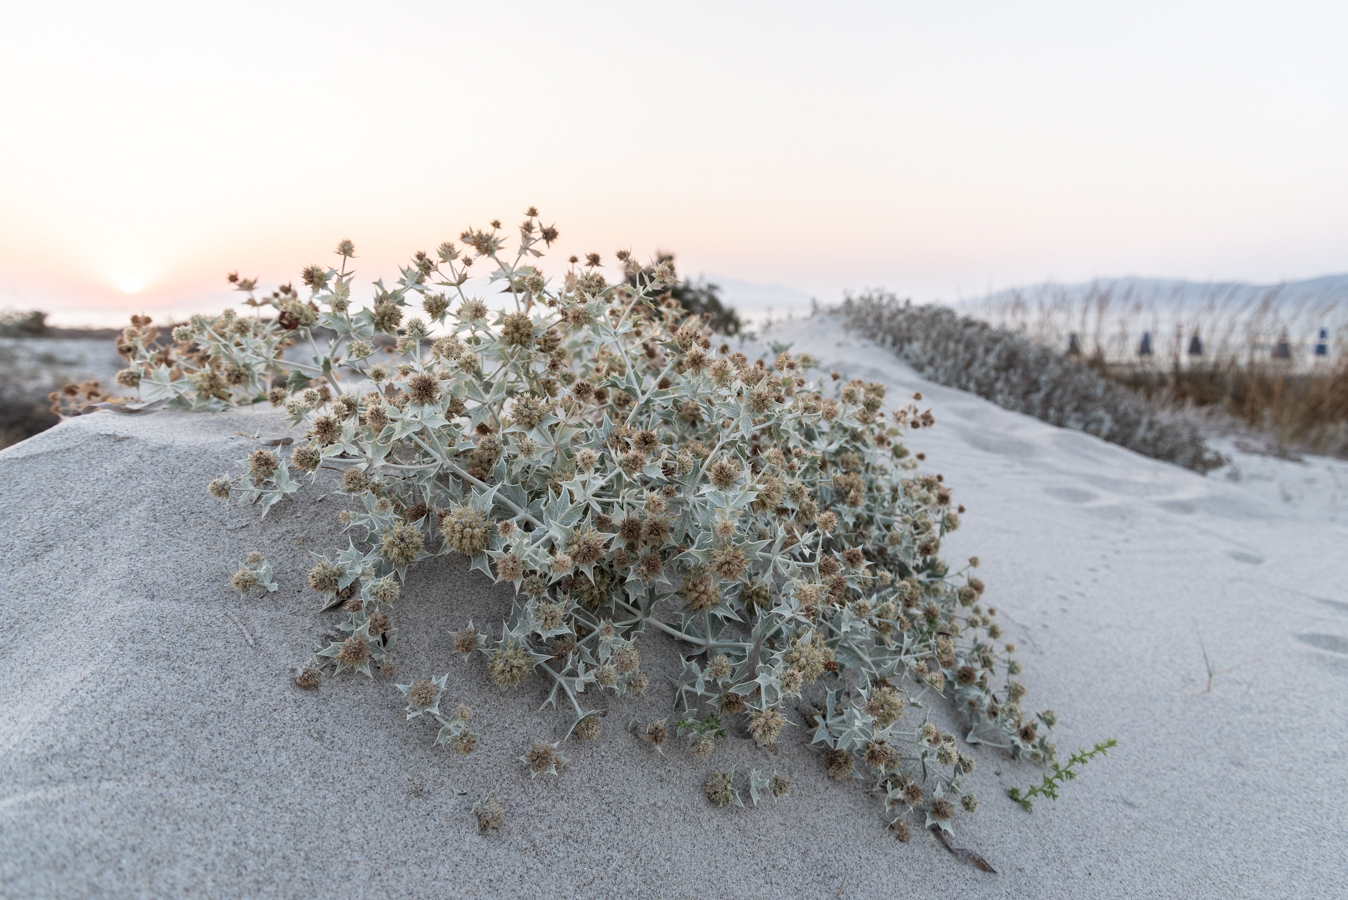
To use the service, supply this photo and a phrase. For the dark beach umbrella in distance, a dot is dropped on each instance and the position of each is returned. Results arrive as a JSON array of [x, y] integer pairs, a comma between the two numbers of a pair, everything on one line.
[[1322, 345], [1145, 348], [1195, 345], [1282, 349], [1073, 345]]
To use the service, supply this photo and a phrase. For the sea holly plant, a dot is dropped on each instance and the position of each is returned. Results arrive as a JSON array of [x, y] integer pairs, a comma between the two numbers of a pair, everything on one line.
[[253, 572], [598, 449]]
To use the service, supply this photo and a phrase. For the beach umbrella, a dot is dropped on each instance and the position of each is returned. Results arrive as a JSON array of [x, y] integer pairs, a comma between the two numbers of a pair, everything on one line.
[[1145, 349], [1282, 349], [1322, 345]]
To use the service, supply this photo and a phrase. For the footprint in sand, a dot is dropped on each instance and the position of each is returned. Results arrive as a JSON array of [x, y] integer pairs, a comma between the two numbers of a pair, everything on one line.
[[1253, 559], [1070, 494], [1331, 642]]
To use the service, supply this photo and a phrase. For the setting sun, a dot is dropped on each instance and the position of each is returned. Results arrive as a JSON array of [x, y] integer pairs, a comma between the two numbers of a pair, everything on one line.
[[130, 285]]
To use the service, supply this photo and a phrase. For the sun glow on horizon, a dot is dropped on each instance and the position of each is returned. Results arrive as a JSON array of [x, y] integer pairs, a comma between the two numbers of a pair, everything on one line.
[[939, 150]]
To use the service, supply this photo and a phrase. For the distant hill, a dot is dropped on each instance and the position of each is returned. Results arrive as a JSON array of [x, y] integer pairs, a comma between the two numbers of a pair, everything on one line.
[[1170, 293]]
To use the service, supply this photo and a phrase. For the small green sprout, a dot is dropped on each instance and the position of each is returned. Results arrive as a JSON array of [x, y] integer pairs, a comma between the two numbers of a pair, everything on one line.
[[1060, 775]]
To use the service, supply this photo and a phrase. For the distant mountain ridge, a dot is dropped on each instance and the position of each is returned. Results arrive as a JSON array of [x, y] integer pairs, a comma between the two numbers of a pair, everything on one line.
[[1169, 292]]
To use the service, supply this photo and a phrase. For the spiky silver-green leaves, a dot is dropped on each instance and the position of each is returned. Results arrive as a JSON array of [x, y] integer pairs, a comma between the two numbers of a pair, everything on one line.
[[591, 446]]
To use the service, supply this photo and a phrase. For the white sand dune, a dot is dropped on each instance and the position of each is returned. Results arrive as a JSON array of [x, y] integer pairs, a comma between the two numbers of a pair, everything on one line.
[[152, 743]]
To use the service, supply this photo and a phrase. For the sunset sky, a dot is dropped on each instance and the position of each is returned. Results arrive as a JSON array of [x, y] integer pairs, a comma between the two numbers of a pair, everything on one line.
[[936, 149]]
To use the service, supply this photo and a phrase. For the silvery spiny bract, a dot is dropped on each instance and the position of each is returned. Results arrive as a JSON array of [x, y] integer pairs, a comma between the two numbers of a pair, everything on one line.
[[593, 446]]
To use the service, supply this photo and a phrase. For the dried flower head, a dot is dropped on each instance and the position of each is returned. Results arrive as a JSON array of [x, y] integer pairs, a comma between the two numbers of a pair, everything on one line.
[[262, 464], [587, 729], [765, 726], [510, 665], [467, 530], [489, 815], [402, 544], [719, 788]]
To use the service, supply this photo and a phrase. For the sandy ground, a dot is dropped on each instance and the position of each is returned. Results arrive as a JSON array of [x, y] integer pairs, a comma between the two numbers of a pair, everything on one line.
[[152, 743]]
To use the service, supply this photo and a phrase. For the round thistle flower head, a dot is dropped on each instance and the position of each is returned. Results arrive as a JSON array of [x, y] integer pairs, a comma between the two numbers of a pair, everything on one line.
[[605, 675], [402, 544], [466, 530], [627, 660], [942, 809], [379, 621], [517, 330], [900, 830], [732, 703], [780, 785], [422, 694], [509, 567], [946, 755], [719, 789], [473, 311], [586, 460], [325, 577], [719, 669], [542, 757], [587, 547], [765, 726], [465, 641], [243, 581], [346, 249], [308, 677], [723, 473], [587, 729], [423, 388], [838, 763], [306, 458], [219, 487], [657, 734], [128, 378], [551, 615], [385, 590], [702, 745], [509, 665], [700, 592], [354, 481], [262, 464], [355, 651]]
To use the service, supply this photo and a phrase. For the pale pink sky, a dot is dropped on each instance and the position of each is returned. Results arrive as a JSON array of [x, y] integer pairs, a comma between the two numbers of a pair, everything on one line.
[[937, 149]]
